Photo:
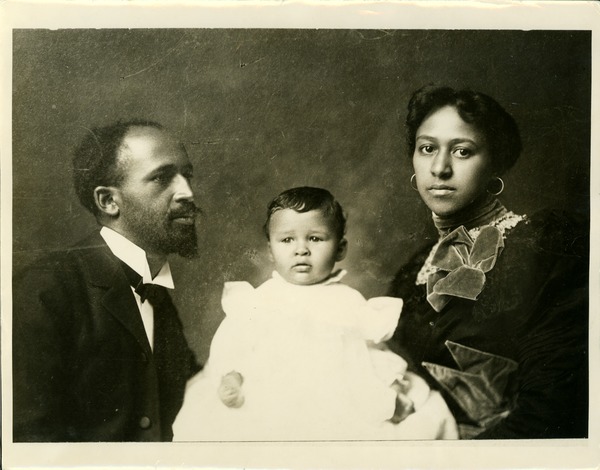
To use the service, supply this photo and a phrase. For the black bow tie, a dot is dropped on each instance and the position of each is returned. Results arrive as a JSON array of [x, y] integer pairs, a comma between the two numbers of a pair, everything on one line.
[[154, 293], [151, 292]]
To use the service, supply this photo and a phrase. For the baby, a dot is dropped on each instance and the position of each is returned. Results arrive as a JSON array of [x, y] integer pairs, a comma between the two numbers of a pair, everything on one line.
[[303, 355]]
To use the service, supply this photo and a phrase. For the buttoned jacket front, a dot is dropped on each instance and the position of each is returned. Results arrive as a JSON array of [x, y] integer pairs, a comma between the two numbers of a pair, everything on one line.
[[83, 369]]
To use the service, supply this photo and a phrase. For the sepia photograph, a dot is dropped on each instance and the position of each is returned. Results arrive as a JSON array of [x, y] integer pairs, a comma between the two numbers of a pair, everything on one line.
[[282, 243]]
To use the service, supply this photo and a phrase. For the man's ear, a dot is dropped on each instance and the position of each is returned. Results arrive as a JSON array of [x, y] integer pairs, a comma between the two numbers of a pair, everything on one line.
[[341, 250], [107, 200]]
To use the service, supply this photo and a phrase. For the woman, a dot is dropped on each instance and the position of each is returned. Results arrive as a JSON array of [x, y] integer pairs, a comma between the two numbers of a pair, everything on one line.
[[496, 311]]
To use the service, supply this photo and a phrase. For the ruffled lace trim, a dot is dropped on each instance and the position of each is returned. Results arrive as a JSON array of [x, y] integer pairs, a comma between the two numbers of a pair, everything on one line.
[[504, 223]]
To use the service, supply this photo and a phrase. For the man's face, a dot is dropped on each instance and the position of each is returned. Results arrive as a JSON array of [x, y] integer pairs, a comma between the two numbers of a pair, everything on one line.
[[155, 199]]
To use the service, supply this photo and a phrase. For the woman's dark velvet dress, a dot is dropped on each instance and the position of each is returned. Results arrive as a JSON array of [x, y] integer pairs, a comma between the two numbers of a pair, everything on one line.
[[526, 336]]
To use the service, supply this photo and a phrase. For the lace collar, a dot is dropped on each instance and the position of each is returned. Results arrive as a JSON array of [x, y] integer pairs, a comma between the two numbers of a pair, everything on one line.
[[482, 212], [507, 221]]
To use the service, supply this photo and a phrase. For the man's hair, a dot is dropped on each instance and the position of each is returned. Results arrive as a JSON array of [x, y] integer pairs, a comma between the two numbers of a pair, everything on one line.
[[304, 199], [95, 159], [498, 127]]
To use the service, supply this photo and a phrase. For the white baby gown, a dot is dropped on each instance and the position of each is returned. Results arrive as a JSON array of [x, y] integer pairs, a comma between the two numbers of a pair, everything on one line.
[[314, 367]]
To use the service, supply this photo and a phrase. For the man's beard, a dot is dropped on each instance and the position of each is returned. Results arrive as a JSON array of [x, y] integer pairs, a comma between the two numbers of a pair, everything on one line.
[[183, 241], [166, 236]]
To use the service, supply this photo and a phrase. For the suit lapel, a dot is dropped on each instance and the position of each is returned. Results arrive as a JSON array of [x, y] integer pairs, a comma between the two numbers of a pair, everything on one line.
[[120, 302], [118, 299]]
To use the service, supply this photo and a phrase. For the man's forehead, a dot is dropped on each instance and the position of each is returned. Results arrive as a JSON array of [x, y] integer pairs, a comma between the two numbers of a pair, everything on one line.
[[140, 136], [147, 142]]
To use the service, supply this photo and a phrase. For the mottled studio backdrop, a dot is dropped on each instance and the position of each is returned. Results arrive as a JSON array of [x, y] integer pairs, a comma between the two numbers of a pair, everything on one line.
[[264, 110]]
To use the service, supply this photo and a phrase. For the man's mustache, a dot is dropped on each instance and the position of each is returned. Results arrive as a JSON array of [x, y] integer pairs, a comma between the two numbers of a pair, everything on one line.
[[185, 209]]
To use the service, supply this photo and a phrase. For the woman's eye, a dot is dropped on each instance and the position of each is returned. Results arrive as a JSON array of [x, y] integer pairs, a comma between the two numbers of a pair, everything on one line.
[[427, 149], [462, 152]]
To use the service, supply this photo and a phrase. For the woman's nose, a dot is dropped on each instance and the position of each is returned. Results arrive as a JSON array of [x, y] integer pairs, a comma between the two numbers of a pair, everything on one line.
[[183, 189], [441, 165]]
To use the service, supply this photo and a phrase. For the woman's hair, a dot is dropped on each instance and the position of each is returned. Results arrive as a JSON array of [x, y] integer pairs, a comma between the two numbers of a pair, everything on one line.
[[482, 111], [304, 199]]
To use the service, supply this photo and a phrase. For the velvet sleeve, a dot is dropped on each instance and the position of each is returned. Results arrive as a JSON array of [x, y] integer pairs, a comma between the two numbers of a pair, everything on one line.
[[551, 396]]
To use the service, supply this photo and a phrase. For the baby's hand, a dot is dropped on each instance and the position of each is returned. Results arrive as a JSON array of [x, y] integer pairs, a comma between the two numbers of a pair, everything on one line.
[[230, 390]]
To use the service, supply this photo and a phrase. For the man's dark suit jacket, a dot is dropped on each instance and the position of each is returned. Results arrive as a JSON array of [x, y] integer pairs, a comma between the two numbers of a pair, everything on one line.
[[83, 369]]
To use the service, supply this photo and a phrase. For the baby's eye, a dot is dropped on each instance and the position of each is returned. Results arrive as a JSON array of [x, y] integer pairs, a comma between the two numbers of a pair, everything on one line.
[[314, 238], [462, 152], [286, 240]]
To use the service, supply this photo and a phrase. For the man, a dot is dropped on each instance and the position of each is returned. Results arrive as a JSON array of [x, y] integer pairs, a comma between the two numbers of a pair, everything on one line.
[[97, 354]]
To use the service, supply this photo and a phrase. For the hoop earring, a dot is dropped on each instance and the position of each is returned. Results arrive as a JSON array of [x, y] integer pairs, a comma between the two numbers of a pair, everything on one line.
[[412, 182], [497, 193]]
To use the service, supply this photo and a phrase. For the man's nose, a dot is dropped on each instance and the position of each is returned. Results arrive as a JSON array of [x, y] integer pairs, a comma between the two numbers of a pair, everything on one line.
[[441, 165], [183, 189]]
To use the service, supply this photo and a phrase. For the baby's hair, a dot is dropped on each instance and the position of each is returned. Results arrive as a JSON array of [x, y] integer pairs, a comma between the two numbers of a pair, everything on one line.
[[304, 199]]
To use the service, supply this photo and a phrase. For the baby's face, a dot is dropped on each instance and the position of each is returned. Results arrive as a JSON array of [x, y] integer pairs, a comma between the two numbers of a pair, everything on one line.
[[304, 246]]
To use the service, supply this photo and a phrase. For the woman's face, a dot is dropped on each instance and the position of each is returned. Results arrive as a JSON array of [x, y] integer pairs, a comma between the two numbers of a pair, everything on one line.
[[451, 162]]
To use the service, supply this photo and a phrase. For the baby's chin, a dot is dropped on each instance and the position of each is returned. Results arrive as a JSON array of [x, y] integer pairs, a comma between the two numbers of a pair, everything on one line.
[[305, 279]]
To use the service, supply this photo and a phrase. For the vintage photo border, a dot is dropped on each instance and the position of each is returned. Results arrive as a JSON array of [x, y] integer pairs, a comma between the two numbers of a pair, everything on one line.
[[556, 15]]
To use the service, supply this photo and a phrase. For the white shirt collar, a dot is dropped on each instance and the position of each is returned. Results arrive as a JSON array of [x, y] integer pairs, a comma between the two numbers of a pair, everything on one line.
[[135, 257]]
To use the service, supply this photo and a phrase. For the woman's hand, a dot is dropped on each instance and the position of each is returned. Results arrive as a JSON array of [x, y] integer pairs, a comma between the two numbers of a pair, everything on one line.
[[404, 405], [404, 408], [230, 390]]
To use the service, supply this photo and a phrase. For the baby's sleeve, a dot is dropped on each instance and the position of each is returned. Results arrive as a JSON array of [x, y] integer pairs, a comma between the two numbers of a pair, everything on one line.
[[380, 318], [232, 341], [237, 299]]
